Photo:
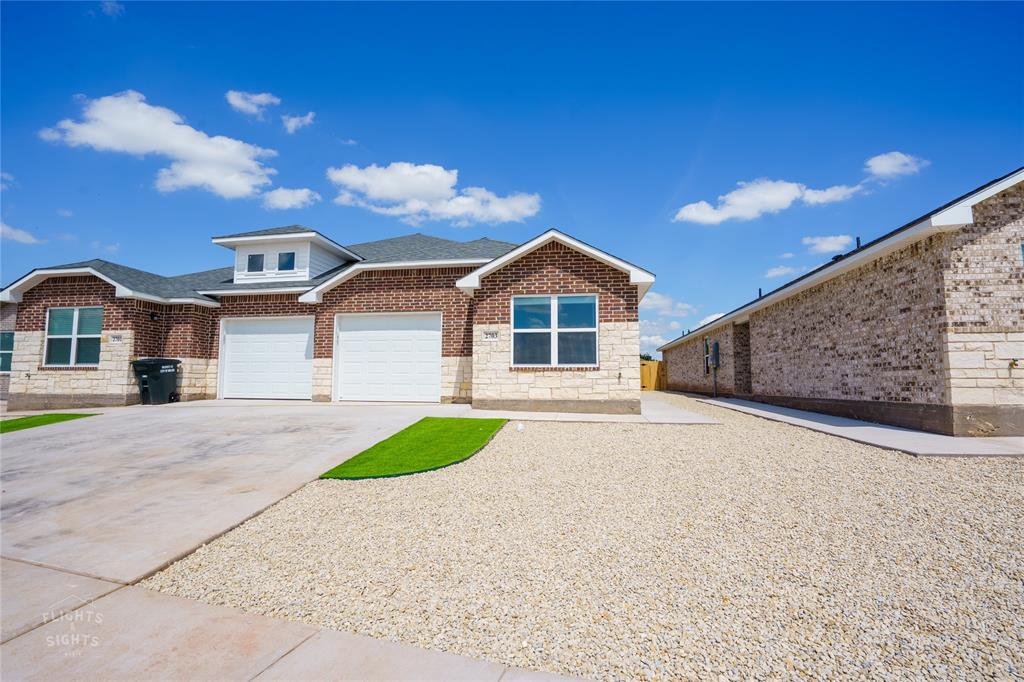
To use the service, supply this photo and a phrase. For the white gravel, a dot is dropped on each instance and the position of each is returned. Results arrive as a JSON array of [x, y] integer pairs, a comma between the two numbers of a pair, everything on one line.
[[750, 549]]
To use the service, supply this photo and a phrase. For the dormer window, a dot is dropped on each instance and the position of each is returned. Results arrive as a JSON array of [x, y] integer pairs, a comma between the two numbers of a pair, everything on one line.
[[255, 263], [286, 260]]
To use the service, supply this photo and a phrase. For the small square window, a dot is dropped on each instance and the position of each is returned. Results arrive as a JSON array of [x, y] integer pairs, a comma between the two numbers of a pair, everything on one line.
[[286, 260], [255, 263], [6, 350]]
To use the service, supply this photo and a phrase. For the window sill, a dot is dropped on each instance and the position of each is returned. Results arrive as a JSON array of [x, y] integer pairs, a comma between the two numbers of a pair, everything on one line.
[[67, 368], [556, 368]]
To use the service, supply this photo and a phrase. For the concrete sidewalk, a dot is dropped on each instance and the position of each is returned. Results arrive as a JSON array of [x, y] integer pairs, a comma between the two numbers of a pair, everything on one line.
[[880, 435], [110, 631]]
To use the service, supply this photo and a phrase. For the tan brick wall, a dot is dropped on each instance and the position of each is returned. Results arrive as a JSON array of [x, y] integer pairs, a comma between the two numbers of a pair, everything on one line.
[[873, 334], [323, 379], [685, 363], [617, 376], [984, 288]]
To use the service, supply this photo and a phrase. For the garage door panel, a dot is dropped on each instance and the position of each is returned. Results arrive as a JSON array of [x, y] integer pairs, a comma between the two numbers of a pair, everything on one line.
[[388, 357], [270, 358]]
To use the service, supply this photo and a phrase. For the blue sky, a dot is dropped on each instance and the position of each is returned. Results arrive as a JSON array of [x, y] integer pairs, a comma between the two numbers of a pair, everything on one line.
[[612, 122]]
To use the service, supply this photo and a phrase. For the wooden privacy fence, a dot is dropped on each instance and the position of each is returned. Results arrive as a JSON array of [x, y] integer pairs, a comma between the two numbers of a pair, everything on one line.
[[652, 375]]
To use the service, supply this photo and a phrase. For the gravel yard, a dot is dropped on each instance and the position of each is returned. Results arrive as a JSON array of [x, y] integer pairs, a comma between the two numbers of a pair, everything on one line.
[[631, 551]]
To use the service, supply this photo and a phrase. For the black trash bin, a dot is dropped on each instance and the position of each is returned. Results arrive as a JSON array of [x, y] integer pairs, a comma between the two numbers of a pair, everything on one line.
[[158, 380]]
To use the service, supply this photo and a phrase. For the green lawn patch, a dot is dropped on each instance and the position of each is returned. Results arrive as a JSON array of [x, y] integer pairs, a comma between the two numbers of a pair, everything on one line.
[[430, 443], [19, 423]]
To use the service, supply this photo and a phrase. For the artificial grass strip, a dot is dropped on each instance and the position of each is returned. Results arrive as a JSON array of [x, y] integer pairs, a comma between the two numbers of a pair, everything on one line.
[[430, 443], [19, 423]]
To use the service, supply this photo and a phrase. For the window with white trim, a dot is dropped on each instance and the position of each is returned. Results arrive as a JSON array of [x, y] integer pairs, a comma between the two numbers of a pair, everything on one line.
[[6, 351], [554, 331], [286, 261], [73, 337], [254, 263]]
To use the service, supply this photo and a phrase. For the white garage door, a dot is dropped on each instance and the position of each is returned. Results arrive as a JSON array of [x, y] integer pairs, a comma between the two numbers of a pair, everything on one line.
[[268, 358], [388, 357]]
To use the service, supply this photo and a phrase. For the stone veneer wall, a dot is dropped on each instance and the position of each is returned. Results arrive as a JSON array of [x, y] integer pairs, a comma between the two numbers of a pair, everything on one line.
[[8, 315], [983, 280], [685, 363], [557, 269]]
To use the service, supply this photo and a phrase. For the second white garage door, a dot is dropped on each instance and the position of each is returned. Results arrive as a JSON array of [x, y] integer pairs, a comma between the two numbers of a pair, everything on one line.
[[268, 358], [388, 357]]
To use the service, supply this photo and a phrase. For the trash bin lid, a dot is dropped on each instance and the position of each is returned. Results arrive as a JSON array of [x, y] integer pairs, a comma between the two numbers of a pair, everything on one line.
[[145, 363]]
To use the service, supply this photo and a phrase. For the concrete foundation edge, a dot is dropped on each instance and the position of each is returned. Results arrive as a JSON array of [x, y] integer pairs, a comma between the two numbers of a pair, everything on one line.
[[579, 406]]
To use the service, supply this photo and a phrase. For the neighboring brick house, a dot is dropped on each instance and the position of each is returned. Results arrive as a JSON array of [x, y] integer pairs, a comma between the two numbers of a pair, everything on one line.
[[551, 324], [923, 327]]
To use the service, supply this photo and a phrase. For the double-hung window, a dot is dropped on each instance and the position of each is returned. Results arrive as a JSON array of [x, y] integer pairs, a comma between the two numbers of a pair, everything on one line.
[[73, 336], [554, 331], [6, 351]]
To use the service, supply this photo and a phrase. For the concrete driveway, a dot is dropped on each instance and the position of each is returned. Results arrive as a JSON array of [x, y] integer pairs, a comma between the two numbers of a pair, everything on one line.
[[118, 496]]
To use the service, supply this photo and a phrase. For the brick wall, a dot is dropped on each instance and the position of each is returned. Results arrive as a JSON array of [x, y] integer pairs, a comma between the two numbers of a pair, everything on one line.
[[742, 379], [557, 269], [871, 334], [983, 280], [685, 363]]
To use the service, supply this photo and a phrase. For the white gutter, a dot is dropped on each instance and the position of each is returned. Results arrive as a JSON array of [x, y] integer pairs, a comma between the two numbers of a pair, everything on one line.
[[944, 220], [13, 293], [252, 292], [315, 295]]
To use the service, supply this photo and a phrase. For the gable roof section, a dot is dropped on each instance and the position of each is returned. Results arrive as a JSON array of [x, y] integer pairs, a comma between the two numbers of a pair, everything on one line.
[[948, 217], [127, 283], [637, 275]]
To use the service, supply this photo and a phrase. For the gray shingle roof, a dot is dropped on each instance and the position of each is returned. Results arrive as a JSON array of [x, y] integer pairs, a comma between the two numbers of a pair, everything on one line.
[[287, 229], [423, 247], [414, 247]]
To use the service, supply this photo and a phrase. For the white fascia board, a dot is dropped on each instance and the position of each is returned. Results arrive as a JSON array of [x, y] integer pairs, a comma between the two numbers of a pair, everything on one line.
[[315, 237], [13, 293], [638, 276], [315, 295]]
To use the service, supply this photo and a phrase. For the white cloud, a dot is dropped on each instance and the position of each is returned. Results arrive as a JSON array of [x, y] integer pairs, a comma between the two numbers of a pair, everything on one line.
[[779, 271], [282, 198], [126, 123], [67, 237], [786, 255], [15, 235], [349, 142], [293, 123], [252, 103], [709, 318], [764, 196], [649, 343], [418, 192], [6, 180], [664, 305], [894, 164], [827, 244], [112, 8], [816, 197], [105, 248], [64, 212]]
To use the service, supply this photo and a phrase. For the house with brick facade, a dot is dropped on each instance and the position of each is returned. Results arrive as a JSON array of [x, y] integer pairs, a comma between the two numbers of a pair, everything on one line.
[[551, 324], [922, 327]]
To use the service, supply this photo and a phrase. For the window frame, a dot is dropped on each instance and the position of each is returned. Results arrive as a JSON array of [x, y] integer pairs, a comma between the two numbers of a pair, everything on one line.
[[294, 256], [553, 331], [74, 336], [7, 352], [263, 262]]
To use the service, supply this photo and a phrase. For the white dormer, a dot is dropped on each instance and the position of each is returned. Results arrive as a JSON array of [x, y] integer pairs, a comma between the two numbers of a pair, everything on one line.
[[292, 254]]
